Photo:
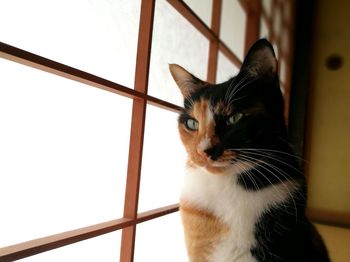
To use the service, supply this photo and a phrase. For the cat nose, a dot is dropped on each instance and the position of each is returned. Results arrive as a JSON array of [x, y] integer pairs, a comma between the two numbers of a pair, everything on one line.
[[214, 152]]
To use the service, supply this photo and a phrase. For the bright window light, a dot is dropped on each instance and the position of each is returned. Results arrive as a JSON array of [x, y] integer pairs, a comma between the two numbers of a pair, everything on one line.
[[97, 36], [64, 148]]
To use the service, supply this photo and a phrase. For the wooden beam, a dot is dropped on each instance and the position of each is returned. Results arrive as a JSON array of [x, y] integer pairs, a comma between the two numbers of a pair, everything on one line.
[[137, 128], [187, 13], [329, 217], [214, 45], [36, 246], [252, 28], [26, 58]]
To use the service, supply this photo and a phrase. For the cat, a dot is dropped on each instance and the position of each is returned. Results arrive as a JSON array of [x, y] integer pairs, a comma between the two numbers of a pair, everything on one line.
[[244, 196]]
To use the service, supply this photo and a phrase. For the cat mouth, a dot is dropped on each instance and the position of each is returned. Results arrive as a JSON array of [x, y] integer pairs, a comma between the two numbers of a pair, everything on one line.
[[220, 164], [217, 167], [233, 165]]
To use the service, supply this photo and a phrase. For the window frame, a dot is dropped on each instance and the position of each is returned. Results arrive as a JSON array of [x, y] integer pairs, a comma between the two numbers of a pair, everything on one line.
[[254, 13]]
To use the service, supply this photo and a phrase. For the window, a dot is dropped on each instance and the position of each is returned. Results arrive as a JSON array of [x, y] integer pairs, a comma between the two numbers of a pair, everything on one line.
[[85, 101]]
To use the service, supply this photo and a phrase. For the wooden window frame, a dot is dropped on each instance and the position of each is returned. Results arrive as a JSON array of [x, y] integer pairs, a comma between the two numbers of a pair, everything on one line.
[[131, 218]]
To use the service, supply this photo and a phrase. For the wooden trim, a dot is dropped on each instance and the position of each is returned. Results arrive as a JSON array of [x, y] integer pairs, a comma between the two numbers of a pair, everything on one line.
[[299, 127], [288, 58], [137, 128], [252, 29], [214, 45], [229, 54], [328, 217], [192, 17], [40, 245], [285, 55], [29, 59], [35, 61], [187, 13], [269, 24]]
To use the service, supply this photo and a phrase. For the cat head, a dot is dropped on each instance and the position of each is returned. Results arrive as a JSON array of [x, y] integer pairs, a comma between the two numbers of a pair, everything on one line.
[[245, 112]]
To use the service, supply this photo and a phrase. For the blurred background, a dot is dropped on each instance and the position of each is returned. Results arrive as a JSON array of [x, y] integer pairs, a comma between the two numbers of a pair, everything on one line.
[[320, 116]]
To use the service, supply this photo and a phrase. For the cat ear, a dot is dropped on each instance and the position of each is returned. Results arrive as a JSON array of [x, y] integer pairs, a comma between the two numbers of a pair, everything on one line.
[[187, 82], [260, 60]]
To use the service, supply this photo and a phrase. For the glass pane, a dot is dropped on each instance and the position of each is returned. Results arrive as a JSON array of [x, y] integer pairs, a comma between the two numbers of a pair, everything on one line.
[[232, 32], [64, 148], [104, 248], [97, 36], [283, 71], [202, 8], [163, 161], [277, 22], [264, 30], [226, 69], [276, 49], [283, 89], [267, 6], [175, 40], [161, 240], [285, 41]]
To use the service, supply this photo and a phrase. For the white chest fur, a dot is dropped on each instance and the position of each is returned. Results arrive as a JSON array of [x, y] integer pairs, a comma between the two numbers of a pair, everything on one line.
[[236, 207]]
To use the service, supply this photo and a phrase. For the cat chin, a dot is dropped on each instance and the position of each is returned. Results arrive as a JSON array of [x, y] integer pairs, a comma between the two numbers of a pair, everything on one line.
[[223, 168], [220, 164], [212, 167]]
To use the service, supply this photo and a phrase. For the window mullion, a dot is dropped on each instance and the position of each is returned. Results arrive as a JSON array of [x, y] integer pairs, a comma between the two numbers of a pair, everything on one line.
[[214, 44], [187, 13], [253, 11], [137, 128]]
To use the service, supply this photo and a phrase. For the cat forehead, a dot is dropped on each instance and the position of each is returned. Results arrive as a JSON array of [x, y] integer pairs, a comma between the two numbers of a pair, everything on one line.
[[222, 97], [207, 106]]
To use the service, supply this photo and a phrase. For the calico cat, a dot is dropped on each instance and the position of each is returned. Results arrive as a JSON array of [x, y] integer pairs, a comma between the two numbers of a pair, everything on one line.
[[243, 197]]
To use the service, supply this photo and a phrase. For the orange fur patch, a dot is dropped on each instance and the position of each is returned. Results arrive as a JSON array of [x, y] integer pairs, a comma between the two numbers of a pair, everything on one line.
[[203, 231], [206, 132], [191, 139]]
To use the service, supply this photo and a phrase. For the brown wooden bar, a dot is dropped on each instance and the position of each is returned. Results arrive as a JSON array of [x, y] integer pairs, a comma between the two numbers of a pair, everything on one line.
[[29, 59], [35, 61], [137, 128], [289, 56], [187, 13], [269, 24], [229, 54], [332, 218], [36, 246], [214, 45], [252, 29]]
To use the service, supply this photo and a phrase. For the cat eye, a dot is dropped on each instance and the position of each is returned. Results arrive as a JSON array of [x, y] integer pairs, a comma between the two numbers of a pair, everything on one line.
[[192, 124], [234, 119]]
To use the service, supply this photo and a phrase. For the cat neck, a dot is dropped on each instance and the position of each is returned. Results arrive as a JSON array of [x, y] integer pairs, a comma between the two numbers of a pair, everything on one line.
[[223, 196]]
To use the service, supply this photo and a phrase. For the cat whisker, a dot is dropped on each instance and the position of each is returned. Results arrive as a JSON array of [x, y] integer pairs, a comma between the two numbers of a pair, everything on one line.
[[238, 88], [249, 175], [228, 91], [251, 178], [234, 100], [278, 193], [273, 186], [273, 157], [273, 151], [270, 156], [241, 170], [261, 164], [245, 158]]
